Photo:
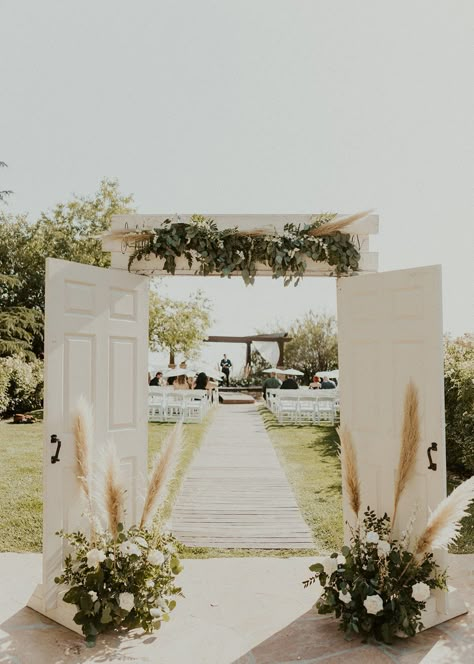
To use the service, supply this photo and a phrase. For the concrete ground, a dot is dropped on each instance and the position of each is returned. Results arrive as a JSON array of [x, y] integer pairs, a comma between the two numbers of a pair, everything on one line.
[[236, 610]]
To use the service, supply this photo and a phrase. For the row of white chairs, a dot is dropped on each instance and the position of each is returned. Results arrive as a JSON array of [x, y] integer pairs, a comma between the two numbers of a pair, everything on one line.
[[304, 406], [169, 405]]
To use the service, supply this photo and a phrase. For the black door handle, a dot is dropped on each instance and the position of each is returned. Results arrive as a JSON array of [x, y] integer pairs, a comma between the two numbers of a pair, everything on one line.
[[55, 440], [433, 447]]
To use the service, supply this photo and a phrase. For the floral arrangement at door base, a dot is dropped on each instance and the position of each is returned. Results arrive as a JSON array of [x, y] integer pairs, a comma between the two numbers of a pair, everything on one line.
[[119, 577], [378, 586]]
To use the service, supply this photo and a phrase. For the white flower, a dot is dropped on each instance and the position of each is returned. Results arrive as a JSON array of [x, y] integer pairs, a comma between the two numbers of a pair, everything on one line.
[[155, 557], [142, 542], [126, 601], [330, 565], [162, 604], [94, 557], [111, 556], [170, 548], [150, 584], [129, 548], [155, 613], [372, 537], [93, 595], [345, 597], [341, 560], [373, 604], [420, 591], [383, 548]]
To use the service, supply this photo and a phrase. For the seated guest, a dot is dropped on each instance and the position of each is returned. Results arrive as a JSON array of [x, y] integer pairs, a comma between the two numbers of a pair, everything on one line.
[[170, 380], [181, 383], [327, 384], [272, 382], [201, 381], [316, 384], [157, 380], [289, 384]]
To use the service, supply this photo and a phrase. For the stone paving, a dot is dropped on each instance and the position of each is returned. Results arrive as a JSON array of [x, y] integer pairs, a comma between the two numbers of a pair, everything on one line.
[[236, 611]]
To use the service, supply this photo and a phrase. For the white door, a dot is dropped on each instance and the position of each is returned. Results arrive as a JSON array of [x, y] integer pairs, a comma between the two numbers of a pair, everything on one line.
[[96, 345], [390, 331]]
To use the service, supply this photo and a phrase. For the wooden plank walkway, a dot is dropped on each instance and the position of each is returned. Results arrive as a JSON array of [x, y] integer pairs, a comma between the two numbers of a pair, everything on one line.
[[236, 494]]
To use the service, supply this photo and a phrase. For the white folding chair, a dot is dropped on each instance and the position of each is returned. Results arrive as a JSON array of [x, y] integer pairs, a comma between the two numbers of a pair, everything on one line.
[[326, 409], [287, 408]]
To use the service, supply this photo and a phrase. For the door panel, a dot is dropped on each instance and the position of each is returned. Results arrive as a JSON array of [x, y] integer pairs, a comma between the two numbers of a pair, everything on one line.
[[96, 345]]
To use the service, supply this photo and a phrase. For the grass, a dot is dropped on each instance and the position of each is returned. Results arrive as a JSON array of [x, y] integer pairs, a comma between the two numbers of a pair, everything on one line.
[[309, 456], [21, 499]]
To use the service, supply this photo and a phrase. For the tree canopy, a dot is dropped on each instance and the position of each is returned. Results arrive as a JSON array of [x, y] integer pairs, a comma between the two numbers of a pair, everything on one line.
[[179, 326], [314, 344]]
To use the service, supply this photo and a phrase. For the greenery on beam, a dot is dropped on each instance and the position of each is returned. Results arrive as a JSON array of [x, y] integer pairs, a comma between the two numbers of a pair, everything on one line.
[[230, 251]]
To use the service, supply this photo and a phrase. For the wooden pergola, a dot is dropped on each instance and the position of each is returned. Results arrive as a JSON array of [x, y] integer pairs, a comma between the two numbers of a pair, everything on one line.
[[280, 338]]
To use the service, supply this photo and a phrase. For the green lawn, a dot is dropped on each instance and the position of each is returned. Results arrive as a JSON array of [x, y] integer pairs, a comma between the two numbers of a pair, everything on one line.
[[21, 500], [309, 457]]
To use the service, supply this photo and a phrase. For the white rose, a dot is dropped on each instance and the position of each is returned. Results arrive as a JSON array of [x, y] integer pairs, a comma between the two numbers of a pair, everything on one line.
[[94, 557], [341, 560], [420, 592], [111, 556], [373, 604], [345, 597], [155, 557], [150, 584], [155, 613], [126, 601], [129, 548], [383, 548], [162, 604], [372, 537], [93, 595]]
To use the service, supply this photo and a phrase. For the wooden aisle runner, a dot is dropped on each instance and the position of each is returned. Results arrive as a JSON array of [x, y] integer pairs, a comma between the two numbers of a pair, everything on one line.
[[236, 494]]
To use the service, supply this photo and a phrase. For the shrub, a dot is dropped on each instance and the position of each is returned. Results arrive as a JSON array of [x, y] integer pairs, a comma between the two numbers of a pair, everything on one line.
[[459, 400], [21, 385]]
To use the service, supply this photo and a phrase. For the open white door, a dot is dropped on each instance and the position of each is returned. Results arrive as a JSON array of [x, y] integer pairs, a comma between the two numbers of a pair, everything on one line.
[[96, 345], [390, 331]]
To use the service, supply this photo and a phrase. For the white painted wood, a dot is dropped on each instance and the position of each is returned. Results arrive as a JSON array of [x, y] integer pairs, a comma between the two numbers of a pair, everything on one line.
[[390, 331], [96, 333], [154, 266], [120, 252]]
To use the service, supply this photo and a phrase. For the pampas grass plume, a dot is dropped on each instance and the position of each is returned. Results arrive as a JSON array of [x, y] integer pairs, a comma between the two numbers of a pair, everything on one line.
[[409, 444], [350, 473], [114, 493], [444, 523], [163, 469], [83, 435], [336, 225]]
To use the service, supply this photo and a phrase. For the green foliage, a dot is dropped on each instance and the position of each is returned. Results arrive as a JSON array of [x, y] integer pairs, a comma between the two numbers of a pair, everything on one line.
[[124, 582], [19, 326], [388, 576], [21, 385], [178, 326], [228, 251], [5, 192], [459, 402], [314, 344]]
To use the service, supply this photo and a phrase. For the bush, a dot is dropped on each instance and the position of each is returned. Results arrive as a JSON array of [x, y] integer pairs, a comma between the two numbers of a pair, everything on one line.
[[459, 403], [21, 385]]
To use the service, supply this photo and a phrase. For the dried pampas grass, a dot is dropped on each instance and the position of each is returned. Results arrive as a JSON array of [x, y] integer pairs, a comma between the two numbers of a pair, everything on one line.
[[409, 444], [444, 524], [114, 492], [82, 429], [163, 469], [337, 225], [350, 473]]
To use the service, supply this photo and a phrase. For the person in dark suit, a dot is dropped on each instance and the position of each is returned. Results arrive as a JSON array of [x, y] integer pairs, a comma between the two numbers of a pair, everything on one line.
[[225, 367], [157, 380], [289, 384]]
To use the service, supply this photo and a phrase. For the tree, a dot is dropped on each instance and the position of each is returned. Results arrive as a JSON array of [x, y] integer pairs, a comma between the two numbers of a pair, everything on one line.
[[314, 344], [5, 192], [69, 232], [177, 326], [459, 403]]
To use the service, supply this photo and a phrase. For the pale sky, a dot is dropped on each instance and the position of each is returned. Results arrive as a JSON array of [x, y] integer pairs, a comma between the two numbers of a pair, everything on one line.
[[253, 106]]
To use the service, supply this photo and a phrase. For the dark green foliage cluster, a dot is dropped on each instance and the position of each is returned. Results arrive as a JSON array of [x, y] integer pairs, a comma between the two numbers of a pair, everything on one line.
[[96, 591], [228, 251], [365, 572], [459, 400], [21, 385]]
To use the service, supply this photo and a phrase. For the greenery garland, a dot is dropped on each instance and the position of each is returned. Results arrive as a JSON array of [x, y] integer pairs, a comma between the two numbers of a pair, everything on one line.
[[231, 250]]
